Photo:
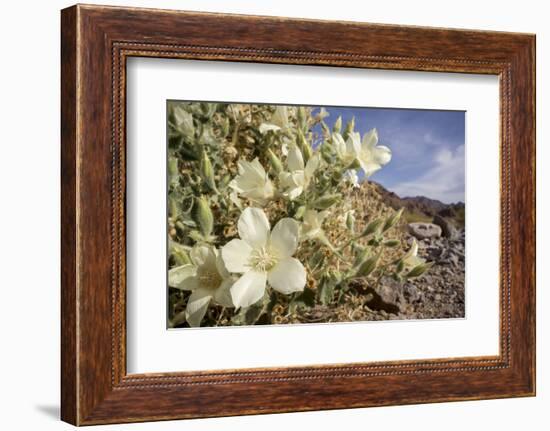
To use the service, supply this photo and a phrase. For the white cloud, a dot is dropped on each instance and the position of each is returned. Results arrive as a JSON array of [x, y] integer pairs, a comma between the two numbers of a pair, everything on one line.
[[444, 181]]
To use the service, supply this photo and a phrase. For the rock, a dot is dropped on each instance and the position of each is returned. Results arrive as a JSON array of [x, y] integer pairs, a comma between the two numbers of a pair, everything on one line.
[[447, 228], [411, 293], [383, 301], [389, 293], [424, 230], [447, 212]]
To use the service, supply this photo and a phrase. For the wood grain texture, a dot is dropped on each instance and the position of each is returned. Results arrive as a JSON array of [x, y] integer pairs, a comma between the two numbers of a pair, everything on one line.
[[96, 41], [68, 217]]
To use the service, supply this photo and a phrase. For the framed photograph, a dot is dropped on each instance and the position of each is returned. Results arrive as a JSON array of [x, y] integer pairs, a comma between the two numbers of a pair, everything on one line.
[[267, 215]]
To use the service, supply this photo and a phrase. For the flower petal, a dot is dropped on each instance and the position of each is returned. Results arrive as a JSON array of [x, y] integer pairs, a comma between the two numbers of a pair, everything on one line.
[[368, 164], [258, 169], [370, 139], [182, 277], [211, 258], [222, 295], [253, 227], [284, 238], [266, 127], [381, 154], [295, 160], [236, 255], [199, 254], [339, 144], [292, 183], [288, 276], [220, 266], [248, 289], [280, 117], [251, 175], [353, 144], [312, 165], [197, 306]]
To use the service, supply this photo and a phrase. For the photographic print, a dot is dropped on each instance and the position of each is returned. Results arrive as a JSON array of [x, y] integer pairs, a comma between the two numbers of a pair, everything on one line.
[[280, 214]]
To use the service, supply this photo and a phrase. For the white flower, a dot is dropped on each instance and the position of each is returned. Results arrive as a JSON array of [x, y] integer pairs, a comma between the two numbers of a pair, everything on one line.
[[311, 226], [252, 182], [410, 260], [279, 121], [346, 150], [261, 256], [299, 177], [207, 279], [370, 156], [351, 177]]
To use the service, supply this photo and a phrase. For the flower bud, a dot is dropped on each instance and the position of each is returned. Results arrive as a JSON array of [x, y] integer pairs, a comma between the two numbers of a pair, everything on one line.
[[178, 253], [275, 162], [338, 125], [350, 126], [400, 265], [204, 216], [350, 221], [225, 127], [300, 212], [304, 146], [326, 152], [419, 270], [301, 116], [392, 221], [207, 172], [325, 129], [369, 265], [372, 227], [391, 243], [326, 201]]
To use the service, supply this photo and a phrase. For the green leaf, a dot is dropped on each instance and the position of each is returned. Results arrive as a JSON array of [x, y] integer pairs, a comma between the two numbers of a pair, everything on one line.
[[316, 260], [251, 315], [173, 173], [326, 289], [183, 121], [304, 299]]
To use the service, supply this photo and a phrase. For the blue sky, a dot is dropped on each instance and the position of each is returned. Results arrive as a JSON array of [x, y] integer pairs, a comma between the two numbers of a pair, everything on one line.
[[427, 149]]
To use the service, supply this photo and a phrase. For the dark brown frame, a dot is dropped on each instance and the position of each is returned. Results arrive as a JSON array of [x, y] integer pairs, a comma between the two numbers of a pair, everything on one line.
[[95, 43]]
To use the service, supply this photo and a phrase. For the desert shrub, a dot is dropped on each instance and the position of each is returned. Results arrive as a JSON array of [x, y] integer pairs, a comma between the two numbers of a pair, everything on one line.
[[262, 219]]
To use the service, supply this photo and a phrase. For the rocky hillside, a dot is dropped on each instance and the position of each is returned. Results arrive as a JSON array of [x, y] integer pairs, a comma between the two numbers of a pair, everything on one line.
[[421, 208]]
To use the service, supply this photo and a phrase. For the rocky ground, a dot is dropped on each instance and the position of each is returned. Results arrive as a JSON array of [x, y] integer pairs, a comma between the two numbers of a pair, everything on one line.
[[434, 295], [437, 294]]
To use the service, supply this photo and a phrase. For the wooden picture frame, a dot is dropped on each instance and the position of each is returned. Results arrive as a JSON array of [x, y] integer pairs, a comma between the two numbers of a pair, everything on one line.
[[95, 43]]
